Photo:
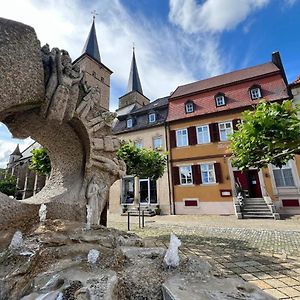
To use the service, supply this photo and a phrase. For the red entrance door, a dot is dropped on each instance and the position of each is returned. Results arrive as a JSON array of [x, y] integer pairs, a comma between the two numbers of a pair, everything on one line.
[[249, 182]]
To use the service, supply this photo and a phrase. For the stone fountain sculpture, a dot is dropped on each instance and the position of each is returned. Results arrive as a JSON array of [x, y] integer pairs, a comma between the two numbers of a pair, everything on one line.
[[44, 96]]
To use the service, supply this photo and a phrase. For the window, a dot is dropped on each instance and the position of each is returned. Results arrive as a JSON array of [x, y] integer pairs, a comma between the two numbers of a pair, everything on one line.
[[128, 190], [152, 118], [283, 176], [185, 173], [255, 93], [225, 129], [129, 123], [138, 144], [157, 142], [203, 136], [208, 173], [220, 100], [189, 107], [182, 138]]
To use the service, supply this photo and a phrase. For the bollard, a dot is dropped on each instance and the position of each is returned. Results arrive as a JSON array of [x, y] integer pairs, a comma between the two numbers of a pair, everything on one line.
[[143, 218], [139, 214], [128, 221]]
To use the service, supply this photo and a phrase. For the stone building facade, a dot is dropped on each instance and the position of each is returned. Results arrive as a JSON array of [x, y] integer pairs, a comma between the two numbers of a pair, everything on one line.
[[143, 123]]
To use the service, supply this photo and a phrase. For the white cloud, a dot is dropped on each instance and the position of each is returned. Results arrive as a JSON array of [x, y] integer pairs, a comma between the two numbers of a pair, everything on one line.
[[212, 15]]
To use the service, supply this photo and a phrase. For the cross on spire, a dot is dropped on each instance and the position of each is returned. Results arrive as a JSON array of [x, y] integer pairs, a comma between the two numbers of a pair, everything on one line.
[[94, 13]]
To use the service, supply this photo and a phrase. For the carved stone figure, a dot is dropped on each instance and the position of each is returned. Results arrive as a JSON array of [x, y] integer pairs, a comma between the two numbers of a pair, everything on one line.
[[52, 103]]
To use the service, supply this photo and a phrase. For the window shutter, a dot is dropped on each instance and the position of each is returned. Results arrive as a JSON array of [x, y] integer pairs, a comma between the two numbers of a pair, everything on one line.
[[175, 174], [218, 172], [192, 135], [235, 122], [172, 139], [196, 174], [214, 132]]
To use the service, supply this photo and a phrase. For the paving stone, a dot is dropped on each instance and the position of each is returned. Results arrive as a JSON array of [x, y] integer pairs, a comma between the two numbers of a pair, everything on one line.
[[289, 281], [276, 274], [262, 275], [275, 283], [248, 277], [251, 269], [289, 291], [260, 283], [275, 293]]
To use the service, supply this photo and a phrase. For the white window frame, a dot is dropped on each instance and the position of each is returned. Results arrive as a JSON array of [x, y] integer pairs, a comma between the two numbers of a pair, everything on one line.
[[199, 134], [255, 93], [208, 167], [152, 118], [226, 130], [220, 98], [138, 144], [177, 138], [157, 138], [289, 166], [189, 107], [129, 123], [190, 178]]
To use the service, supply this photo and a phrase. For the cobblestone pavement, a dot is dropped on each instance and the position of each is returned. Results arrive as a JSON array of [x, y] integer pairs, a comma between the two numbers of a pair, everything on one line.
[[268, 258]]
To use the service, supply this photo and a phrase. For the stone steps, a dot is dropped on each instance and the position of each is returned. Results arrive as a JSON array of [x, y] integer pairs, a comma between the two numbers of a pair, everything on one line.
[[256, 208]]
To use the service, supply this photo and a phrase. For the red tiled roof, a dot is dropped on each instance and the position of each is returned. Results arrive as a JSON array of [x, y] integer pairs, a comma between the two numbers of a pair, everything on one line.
[[237, 95], [225, 79], [296, 82]]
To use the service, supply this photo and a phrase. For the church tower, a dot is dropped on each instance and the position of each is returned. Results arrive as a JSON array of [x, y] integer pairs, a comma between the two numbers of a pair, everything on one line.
[[96, 73], [134, 93], [14, 156]]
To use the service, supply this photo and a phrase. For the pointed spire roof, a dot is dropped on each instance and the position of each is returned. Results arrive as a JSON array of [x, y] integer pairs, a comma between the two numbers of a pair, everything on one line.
[[134, 83], [17, 151], [91, 45]]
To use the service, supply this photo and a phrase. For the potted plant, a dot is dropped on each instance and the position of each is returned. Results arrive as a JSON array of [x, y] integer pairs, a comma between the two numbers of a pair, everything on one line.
[[158, 210]]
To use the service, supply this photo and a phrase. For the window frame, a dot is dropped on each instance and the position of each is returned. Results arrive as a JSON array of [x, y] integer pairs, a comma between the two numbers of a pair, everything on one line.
[[154, 118], [255, 88], [287, 166], [208, 171], [153, 142], [187, 137], [219, 127], [208, 134], [191, 175], [138, 144], [189, 104], [220, 96], [131, 123]]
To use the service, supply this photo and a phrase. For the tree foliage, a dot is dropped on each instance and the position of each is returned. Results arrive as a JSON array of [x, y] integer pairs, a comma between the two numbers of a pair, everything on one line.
[[268, 134], [40, 161], [7, 184], [142, 162]]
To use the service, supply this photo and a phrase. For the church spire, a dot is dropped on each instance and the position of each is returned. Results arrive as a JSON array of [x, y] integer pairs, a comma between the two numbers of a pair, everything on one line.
[[17, 151], [91, 45], [134, 83]]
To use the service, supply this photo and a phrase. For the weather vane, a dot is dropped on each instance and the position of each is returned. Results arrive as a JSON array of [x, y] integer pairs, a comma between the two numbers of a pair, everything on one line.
[[94, 13]]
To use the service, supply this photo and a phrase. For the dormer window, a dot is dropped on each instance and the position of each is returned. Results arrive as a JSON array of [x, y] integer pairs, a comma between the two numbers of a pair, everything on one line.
[[255, 92], [189, 107], [152, 118], [220, 99], [129, 123]]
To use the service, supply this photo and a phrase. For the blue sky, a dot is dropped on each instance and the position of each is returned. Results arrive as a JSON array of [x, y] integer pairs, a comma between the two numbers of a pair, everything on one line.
[[177, 41]]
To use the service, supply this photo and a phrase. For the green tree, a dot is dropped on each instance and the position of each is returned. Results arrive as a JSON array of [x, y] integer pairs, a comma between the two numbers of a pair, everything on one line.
[[268, 134], [142, 162], [7, 184], [40, 161]]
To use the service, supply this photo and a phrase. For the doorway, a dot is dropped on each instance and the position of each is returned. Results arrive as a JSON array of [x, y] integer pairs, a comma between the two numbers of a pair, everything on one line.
[[148, 193], [249, 182]]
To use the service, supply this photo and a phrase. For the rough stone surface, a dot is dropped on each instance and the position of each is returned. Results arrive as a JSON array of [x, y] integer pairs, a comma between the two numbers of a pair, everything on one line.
[[21, 70], [44, 96]]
